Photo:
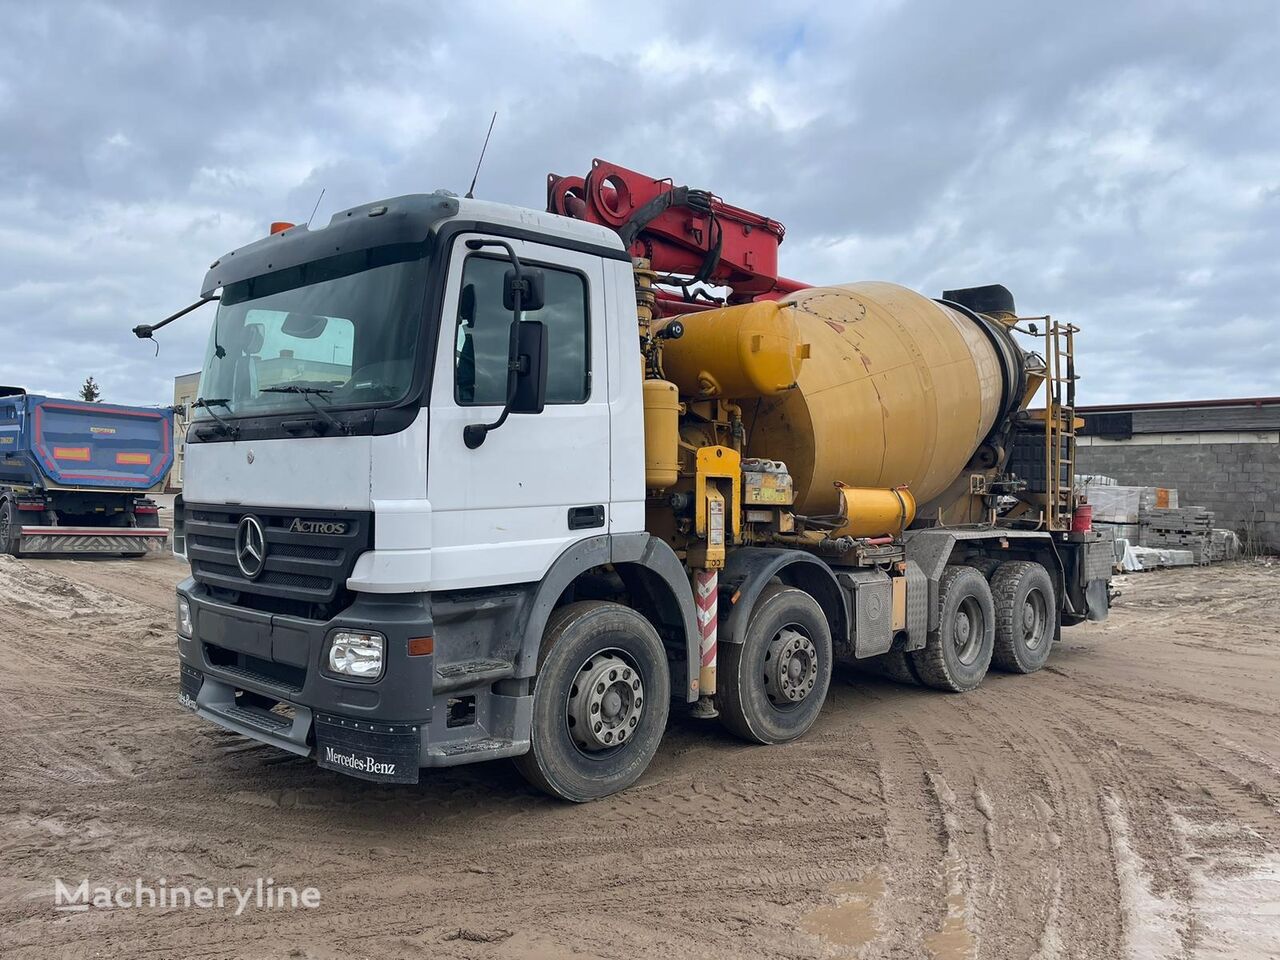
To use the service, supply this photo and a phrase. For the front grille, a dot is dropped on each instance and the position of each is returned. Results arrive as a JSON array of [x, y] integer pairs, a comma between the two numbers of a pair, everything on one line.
[[307, 571], [220, 573]]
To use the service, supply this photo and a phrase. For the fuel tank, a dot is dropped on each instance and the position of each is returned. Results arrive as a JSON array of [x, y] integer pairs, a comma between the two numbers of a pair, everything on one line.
[[894, 389]]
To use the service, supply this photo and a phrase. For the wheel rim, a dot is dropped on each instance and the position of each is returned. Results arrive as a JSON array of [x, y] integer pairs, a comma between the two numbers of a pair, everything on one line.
[[1035, 619], [968, 629], [605, 703], [790, 668]]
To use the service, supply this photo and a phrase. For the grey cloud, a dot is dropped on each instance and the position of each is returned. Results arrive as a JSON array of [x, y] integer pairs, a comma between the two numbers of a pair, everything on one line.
[[1114, 164]]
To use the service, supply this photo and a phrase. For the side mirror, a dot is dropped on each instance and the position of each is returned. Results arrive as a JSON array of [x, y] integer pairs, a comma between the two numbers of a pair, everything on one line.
[[532, 293], [531, 367], [527, 355]]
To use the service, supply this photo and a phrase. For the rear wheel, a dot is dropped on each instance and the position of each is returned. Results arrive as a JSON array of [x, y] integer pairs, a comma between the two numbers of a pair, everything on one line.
[[958, 653], [142, 521], [600, 702], [9, 529], [1025, 612], [895, 665], [770, 687]]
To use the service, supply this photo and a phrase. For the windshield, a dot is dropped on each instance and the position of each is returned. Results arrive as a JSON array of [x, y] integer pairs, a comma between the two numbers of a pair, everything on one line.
[[339, 332]]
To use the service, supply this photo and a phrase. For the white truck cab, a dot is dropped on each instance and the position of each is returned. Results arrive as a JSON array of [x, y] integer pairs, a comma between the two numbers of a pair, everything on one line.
[[447, 517], [365, 504]]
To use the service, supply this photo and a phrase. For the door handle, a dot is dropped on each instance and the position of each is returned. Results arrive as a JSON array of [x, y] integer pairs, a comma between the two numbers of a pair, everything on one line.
[[584, 518]]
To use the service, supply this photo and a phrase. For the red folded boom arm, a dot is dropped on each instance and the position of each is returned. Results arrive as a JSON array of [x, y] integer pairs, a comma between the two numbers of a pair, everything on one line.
[[688, 236]]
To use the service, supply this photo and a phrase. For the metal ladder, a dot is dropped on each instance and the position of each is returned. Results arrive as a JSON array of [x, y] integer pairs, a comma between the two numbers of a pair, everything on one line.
[[1059, 422]]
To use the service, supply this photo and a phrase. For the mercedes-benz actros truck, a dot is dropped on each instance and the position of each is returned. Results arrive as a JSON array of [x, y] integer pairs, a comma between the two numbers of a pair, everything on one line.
[[467, 481]]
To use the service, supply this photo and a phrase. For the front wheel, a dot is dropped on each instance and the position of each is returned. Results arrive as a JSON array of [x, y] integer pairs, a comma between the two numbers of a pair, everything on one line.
[[600, 702], [771, 686]]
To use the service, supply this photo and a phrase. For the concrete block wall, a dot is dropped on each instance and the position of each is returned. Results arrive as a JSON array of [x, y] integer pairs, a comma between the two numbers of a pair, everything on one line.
[[1239, 482]]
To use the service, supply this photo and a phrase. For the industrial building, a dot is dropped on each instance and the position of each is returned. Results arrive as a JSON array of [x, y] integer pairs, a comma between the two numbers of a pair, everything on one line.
[[1220, 454]]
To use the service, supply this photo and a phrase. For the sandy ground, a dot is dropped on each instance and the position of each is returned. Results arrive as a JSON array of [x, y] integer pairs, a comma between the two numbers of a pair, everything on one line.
[[1125, 802]]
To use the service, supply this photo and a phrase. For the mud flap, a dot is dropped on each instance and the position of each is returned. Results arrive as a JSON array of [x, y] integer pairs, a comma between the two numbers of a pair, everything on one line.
[[383, 752], [1097, 599]]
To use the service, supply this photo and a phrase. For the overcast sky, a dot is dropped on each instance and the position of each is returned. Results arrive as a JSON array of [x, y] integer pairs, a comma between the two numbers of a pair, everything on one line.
[[1115, 164]]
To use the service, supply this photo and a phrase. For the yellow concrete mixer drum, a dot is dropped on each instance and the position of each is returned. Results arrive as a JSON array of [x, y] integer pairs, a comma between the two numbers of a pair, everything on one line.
[[897, 390]]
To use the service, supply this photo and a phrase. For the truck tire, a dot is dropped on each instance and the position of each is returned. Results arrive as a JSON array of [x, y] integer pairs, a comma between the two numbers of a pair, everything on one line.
[[987, 566], [1025, 612], [958, 653], [770, 687], [143, 521], [9, 529], [895, 666], [600, 701]]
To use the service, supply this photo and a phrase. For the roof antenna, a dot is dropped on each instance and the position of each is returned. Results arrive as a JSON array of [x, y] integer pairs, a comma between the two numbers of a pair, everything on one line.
[[471, 191], [316, 207]]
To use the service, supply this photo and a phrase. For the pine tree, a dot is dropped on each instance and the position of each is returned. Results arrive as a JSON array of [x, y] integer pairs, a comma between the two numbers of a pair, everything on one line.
[[89, 391]]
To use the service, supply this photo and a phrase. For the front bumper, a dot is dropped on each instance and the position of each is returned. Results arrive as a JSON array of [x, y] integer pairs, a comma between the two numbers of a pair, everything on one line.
[[259, 675]]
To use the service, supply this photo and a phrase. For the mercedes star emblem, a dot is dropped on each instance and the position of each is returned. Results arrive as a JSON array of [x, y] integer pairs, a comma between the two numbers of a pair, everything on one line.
[[251, 547]]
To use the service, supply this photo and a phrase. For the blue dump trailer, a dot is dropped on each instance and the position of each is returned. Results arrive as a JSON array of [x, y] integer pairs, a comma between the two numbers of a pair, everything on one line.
[[74, 476]]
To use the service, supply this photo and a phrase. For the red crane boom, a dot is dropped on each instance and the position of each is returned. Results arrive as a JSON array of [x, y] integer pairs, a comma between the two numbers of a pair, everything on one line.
[[689, 236]]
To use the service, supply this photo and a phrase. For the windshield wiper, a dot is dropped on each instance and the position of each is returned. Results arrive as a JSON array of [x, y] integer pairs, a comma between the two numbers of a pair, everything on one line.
[[307, 393], [229, 428]]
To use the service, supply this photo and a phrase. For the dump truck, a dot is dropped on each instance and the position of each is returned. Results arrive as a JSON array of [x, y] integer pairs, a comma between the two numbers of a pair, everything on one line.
[[75, 476], [468, 481]]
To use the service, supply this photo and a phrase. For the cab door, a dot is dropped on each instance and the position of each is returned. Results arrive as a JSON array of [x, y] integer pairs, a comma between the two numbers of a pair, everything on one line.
[[503, 512]]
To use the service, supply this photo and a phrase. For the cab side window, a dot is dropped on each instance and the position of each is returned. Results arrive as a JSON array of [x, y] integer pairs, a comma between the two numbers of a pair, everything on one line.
[[483, 334]]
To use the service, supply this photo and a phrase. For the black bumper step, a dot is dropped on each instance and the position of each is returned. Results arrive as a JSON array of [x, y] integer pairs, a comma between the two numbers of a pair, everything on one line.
[[471, 673]]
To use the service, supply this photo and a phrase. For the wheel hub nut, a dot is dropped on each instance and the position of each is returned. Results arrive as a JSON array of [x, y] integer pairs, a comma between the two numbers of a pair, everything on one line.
[[605, 702], [791, 667]]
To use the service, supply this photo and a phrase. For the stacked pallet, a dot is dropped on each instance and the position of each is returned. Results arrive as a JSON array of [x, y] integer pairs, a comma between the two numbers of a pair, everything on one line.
[[1113, 503], [1159, 498], [1153, 558], [1223, 545], [1120, 508], [1150, 521], [1183, 528]]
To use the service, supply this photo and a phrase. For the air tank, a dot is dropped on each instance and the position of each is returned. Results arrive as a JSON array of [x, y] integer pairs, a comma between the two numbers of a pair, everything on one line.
[[749, 350], [661, 434], [894, 389]]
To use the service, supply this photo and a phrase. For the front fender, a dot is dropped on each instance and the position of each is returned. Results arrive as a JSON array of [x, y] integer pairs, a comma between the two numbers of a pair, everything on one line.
[[622, 550]]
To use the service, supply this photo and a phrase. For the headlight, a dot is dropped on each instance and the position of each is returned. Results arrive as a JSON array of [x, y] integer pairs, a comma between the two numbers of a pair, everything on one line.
[[356, 655], [185, 627]]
